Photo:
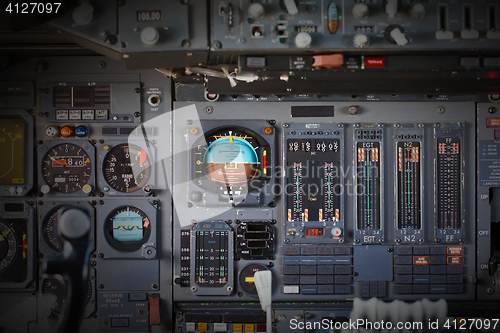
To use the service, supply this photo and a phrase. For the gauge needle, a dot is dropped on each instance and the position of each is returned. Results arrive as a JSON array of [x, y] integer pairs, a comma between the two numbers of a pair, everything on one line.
[[4, 235]]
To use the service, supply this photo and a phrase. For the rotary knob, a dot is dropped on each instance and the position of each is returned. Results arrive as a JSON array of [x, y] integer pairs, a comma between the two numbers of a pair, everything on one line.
[[303, 40], [150, 36], [83, 14], [256, 10], [361, 41], [417, 11], [360, 10]]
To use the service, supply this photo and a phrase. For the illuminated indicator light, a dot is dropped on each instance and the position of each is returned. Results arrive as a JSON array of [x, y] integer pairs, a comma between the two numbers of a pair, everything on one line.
[[455, 260], [106, 147], [202, 327], [249, 279], [492, 122], [374, 62], [454, 250], [194, 130], [66, 131], [249, 328], [261, 328], [146, 222], [421, 261], [237, 328], [25, 246], [268, 130]]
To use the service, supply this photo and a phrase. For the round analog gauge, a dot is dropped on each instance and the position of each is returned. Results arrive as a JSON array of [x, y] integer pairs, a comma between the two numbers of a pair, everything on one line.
[[127, 228], [49, 230], [53, 288], [8, 246], [246, 278], [232, 157], [66, 168], [127, 168]]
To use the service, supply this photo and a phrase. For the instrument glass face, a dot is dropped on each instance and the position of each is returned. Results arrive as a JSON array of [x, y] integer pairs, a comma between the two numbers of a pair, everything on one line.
[[12, 133], [66, 168], [49, 230], [231, 161], [127, 168], [8, 246], [127, 228], [230, 158]]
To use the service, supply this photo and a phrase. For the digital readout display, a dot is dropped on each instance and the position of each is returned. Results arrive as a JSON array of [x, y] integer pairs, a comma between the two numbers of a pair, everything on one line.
[[315, 232]]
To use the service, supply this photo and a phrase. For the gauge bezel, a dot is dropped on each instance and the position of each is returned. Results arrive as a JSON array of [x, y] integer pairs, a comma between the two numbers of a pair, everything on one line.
[[259, 193], [103, 153], [23, 221], [85, 145], [48, 208], [112, 249], [126, 246], [28, 153]]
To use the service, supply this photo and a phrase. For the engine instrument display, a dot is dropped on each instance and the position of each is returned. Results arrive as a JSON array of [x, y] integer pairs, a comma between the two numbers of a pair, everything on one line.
[[315, 187], [127, 168], [66, 168], [127, 228], [233, 161], [12, 150], [13, 250]]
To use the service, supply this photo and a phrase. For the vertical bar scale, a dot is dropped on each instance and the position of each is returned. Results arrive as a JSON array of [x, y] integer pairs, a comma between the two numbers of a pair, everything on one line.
[[368, 180], [212, 249], [449, 182], [313, 191], [408, 184]]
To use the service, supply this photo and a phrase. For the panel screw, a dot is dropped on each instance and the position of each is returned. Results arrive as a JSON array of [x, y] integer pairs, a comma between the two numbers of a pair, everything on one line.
[[208, 109], [272, 122], [353, 109], [185, 43], [101, 286], [93, 263], [189, 121], [389, 249], [137, 90], [41, 66], [270, 264], [101, 255], [229, 288], [154, 286], [286, 241], [273, 221], [189, 204], [285, 125], [218, 45], [490, 291], [492, 110], [240, 294], [272, 257], [137, 114], [103, 64], [355, 273], [356, 240]]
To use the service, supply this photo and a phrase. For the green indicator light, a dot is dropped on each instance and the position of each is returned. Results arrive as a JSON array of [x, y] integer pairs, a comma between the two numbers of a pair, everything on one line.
[[282, 40], [250, 20]]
